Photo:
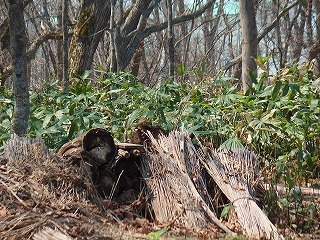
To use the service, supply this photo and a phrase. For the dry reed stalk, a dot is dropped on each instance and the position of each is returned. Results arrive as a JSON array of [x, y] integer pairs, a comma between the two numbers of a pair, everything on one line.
[[236, 174], [48, 176], [36, 185], [23, 151], [48, 233], [173, 176]]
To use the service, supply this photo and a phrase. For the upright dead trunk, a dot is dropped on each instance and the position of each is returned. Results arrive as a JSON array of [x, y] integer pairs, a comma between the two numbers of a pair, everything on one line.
[[249, 41], [93, 19], [18, 41], [59, 46], [113, 46]]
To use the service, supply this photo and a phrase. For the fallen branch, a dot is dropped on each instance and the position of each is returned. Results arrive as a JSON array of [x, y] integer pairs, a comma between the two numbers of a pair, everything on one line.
[[282, 189]]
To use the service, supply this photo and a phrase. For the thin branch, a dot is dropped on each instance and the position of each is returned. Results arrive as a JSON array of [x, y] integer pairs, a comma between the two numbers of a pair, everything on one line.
[[33, 48], [159, 27]]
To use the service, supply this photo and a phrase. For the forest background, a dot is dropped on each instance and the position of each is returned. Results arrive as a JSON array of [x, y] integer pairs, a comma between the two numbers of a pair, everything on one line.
[[238, 73]]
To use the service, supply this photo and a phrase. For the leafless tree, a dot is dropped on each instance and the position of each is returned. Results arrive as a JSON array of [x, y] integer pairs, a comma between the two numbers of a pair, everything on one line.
[[206, 33]]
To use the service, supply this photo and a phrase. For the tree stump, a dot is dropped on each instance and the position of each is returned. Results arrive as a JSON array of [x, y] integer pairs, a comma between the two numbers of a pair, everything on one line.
[[96, 145], [94, 150]]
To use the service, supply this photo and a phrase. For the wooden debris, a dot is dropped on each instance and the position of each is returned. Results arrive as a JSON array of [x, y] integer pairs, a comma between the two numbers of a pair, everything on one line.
[[305, 191], [96, 150], [34, 181], [123, 154], [140, 133], [128, 146]]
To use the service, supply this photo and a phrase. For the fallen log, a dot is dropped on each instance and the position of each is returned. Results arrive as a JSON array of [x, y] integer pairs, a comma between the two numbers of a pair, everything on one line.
[[95, 151], [96, 145], [284, 190]]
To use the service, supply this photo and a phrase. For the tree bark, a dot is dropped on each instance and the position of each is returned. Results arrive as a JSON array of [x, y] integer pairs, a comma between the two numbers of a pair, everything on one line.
[[93, 20], [65, 46], [249, 41], [170, 39], [314, 50], [18, 42], [298, 37]]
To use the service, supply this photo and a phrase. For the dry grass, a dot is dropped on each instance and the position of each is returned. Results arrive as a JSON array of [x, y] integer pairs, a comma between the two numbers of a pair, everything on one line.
[[39, 191]]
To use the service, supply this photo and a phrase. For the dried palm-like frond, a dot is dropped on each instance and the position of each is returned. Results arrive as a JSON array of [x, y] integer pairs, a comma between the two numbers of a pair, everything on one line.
[[173, 175], [236, 175]]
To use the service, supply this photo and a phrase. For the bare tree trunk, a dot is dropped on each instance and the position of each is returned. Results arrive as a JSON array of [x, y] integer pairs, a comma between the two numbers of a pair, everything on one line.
[[314, 51], [182, 46], [93, 19], [298, 38], [170, 39], [18, 42], [249, 41], [137, 59], [59, 46], [113, 59], [65, 46]]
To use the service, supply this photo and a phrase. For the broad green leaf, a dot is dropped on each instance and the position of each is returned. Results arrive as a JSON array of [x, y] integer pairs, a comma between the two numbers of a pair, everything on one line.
[[285, 90], [181, 69], [253, 77], [115, 91], [276, 89], [86, 74], [156, 235], [47, 120], [231, 144], [226, 210], [60, 113]]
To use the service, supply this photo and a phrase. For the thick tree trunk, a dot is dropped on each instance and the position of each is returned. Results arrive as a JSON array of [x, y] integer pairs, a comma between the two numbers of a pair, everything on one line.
[[249, 41], [93, 19], [316, 54], [65, 46], [137, 59], [18, 41], [170, 39], [298, 39]]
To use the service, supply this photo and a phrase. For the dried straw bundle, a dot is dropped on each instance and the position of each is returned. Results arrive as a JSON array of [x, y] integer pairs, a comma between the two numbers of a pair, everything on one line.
[[173, 175], [236, 175], [38, 190], [47, 174]]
